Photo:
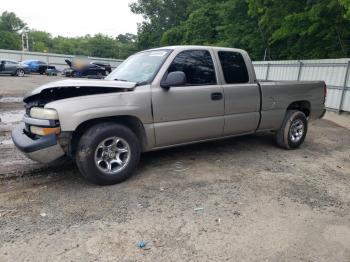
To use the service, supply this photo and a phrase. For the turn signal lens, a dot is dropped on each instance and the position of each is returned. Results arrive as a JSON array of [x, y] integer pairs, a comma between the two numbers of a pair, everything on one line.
[[44, 131]]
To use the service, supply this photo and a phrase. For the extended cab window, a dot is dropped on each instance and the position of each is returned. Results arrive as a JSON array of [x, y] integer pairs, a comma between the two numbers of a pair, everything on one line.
[[197, 65], [234, 68]]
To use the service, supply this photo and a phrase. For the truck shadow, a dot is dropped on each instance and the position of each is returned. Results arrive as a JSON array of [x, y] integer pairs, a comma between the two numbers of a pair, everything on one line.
[[66, 171], [230, 146]]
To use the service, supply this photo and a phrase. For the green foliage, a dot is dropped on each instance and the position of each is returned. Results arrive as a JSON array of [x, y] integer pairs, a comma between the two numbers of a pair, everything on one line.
[[9, 40], [159, 15], [271, 29], [303, 29], [293, 29], [40, 41], [10, 22], [98, 45], [346, 4]]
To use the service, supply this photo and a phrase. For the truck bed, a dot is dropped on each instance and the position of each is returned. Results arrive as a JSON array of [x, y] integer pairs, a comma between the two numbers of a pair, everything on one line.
[[277, 96]]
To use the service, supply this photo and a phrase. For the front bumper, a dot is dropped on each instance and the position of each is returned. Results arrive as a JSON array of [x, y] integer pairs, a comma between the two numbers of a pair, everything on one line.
[[44, 149]]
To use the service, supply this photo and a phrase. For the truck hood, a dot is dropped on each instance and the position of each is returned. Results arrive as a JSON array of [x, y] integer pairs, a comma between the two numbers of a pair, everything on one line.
[[78, 87]]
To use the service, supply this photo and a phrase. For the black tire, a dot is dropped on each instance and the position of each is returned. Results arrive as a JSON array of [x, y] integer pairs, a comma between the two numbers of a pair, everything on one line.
[[284, 137], [87, 150]]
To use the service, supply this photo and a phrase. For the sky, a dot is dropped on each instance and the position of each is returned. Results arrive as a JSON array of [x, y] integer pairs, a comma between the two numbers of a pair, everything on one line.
[[75, 17]]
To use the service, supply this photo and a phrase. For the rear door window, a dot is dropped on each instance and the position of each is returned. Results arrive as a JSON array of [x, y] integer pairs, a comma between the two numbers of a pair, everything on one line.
[[197, 65], [233, 67]]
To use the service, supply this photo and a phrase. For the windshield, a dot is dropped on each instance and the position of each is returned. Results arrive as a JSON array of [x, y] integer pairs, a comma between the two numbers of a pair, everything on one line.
[[139, 68]]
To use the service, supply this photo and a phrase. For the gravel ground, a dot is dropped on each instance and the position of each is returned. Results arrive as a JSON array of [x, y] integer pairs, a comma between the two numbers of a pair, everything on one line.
[[239, 199]]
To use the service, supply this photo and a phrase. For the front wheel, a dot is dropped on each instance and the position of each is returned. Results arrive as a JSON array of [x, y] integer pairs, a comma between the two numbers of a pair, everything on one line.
[[293, 131], [108, 153]]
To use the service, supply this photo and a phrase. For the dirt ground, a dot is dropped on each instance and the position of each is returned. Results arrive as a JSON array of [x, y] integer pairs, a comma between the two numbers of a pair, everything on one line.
[[241, 199]]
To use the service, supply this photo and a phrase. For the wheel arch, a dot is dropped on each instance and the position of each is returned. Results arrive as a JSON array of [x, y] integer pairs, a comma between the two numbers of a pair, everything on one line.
[[301, 105], [132, 122]]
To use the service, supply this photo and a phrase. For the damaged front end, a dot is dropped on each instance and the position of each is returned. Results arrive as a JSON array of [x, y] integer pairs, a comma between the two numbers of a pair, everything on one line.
[[39, 136]]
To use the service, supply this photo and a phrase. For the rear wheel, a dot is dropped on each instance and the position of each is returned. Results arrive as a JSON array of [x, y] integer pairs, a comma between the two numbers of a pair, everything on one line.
[[20, 72], [293, 131], [108, 153]]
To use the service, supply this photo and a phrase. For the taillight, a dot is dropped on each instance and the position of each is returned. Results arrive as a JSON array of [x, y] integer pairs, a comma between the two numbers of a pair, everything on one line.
[[324, 93]]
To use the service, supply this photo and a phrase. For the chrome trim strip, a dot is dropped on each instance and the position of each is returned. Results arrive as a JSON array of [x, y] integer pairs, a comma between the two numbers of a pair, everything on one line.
[[36, 121]]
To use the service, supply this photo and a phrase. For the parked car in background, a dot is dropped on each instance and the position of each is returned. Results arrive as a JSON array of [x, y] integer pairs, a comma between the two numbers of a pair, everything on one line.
[[85, 69], [107, 67], [13, 68], [37, 66], [162, 98]]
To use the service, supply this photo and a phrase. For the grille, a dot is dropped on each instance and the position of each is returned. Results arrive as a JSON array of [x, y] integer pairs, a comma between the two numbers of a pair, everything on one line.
[[27, 111]]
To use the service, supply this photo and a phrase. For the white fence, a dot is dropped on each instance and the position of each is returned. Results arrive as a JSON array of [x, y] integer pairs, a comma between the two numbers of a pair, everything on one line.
[[335, 72], [50, 58]]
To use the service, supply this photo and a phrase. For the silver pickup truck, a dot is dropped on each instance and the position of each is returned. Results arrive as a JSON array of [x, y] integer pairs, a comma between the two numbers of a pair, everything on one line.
[[161, 98]]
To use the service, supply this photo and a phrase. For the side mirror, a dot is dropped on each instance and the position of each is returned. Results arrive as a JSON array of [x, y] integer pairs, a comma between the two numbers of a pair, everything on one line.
[[176, 78]]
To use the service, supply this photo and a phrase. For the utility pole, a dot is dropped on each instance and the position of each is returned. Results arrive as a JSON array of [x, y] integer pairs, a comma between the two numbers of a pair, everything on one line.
[[25, 41], [265, 54]]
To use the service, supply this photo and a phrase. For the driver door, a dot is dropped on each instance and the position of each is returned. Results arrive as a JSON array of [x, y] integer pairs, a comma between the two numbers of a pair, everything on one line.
[[193, 111], [10, 66]]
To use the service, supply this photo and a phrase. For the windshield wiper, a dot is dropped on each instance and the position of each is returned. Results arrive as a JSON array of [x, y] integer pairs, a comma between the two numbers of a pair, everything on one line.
[[141, 83], [123, 80]]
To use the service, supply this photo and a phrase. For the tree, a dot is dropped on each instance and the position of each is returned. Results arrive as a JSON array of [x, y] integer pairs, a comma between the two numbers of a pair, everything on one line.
[[126, 45], [9, 40], [346, 4], [40, 41], [293, 29], [10, 22], [159, 15], [298, 29], [223, 23], [126, 38], [240, 30]]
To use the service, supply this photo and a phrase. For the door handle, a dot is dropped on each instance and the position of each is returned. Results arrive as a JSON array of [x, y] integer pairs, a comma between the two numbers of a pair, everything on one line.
[[216, 96]]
